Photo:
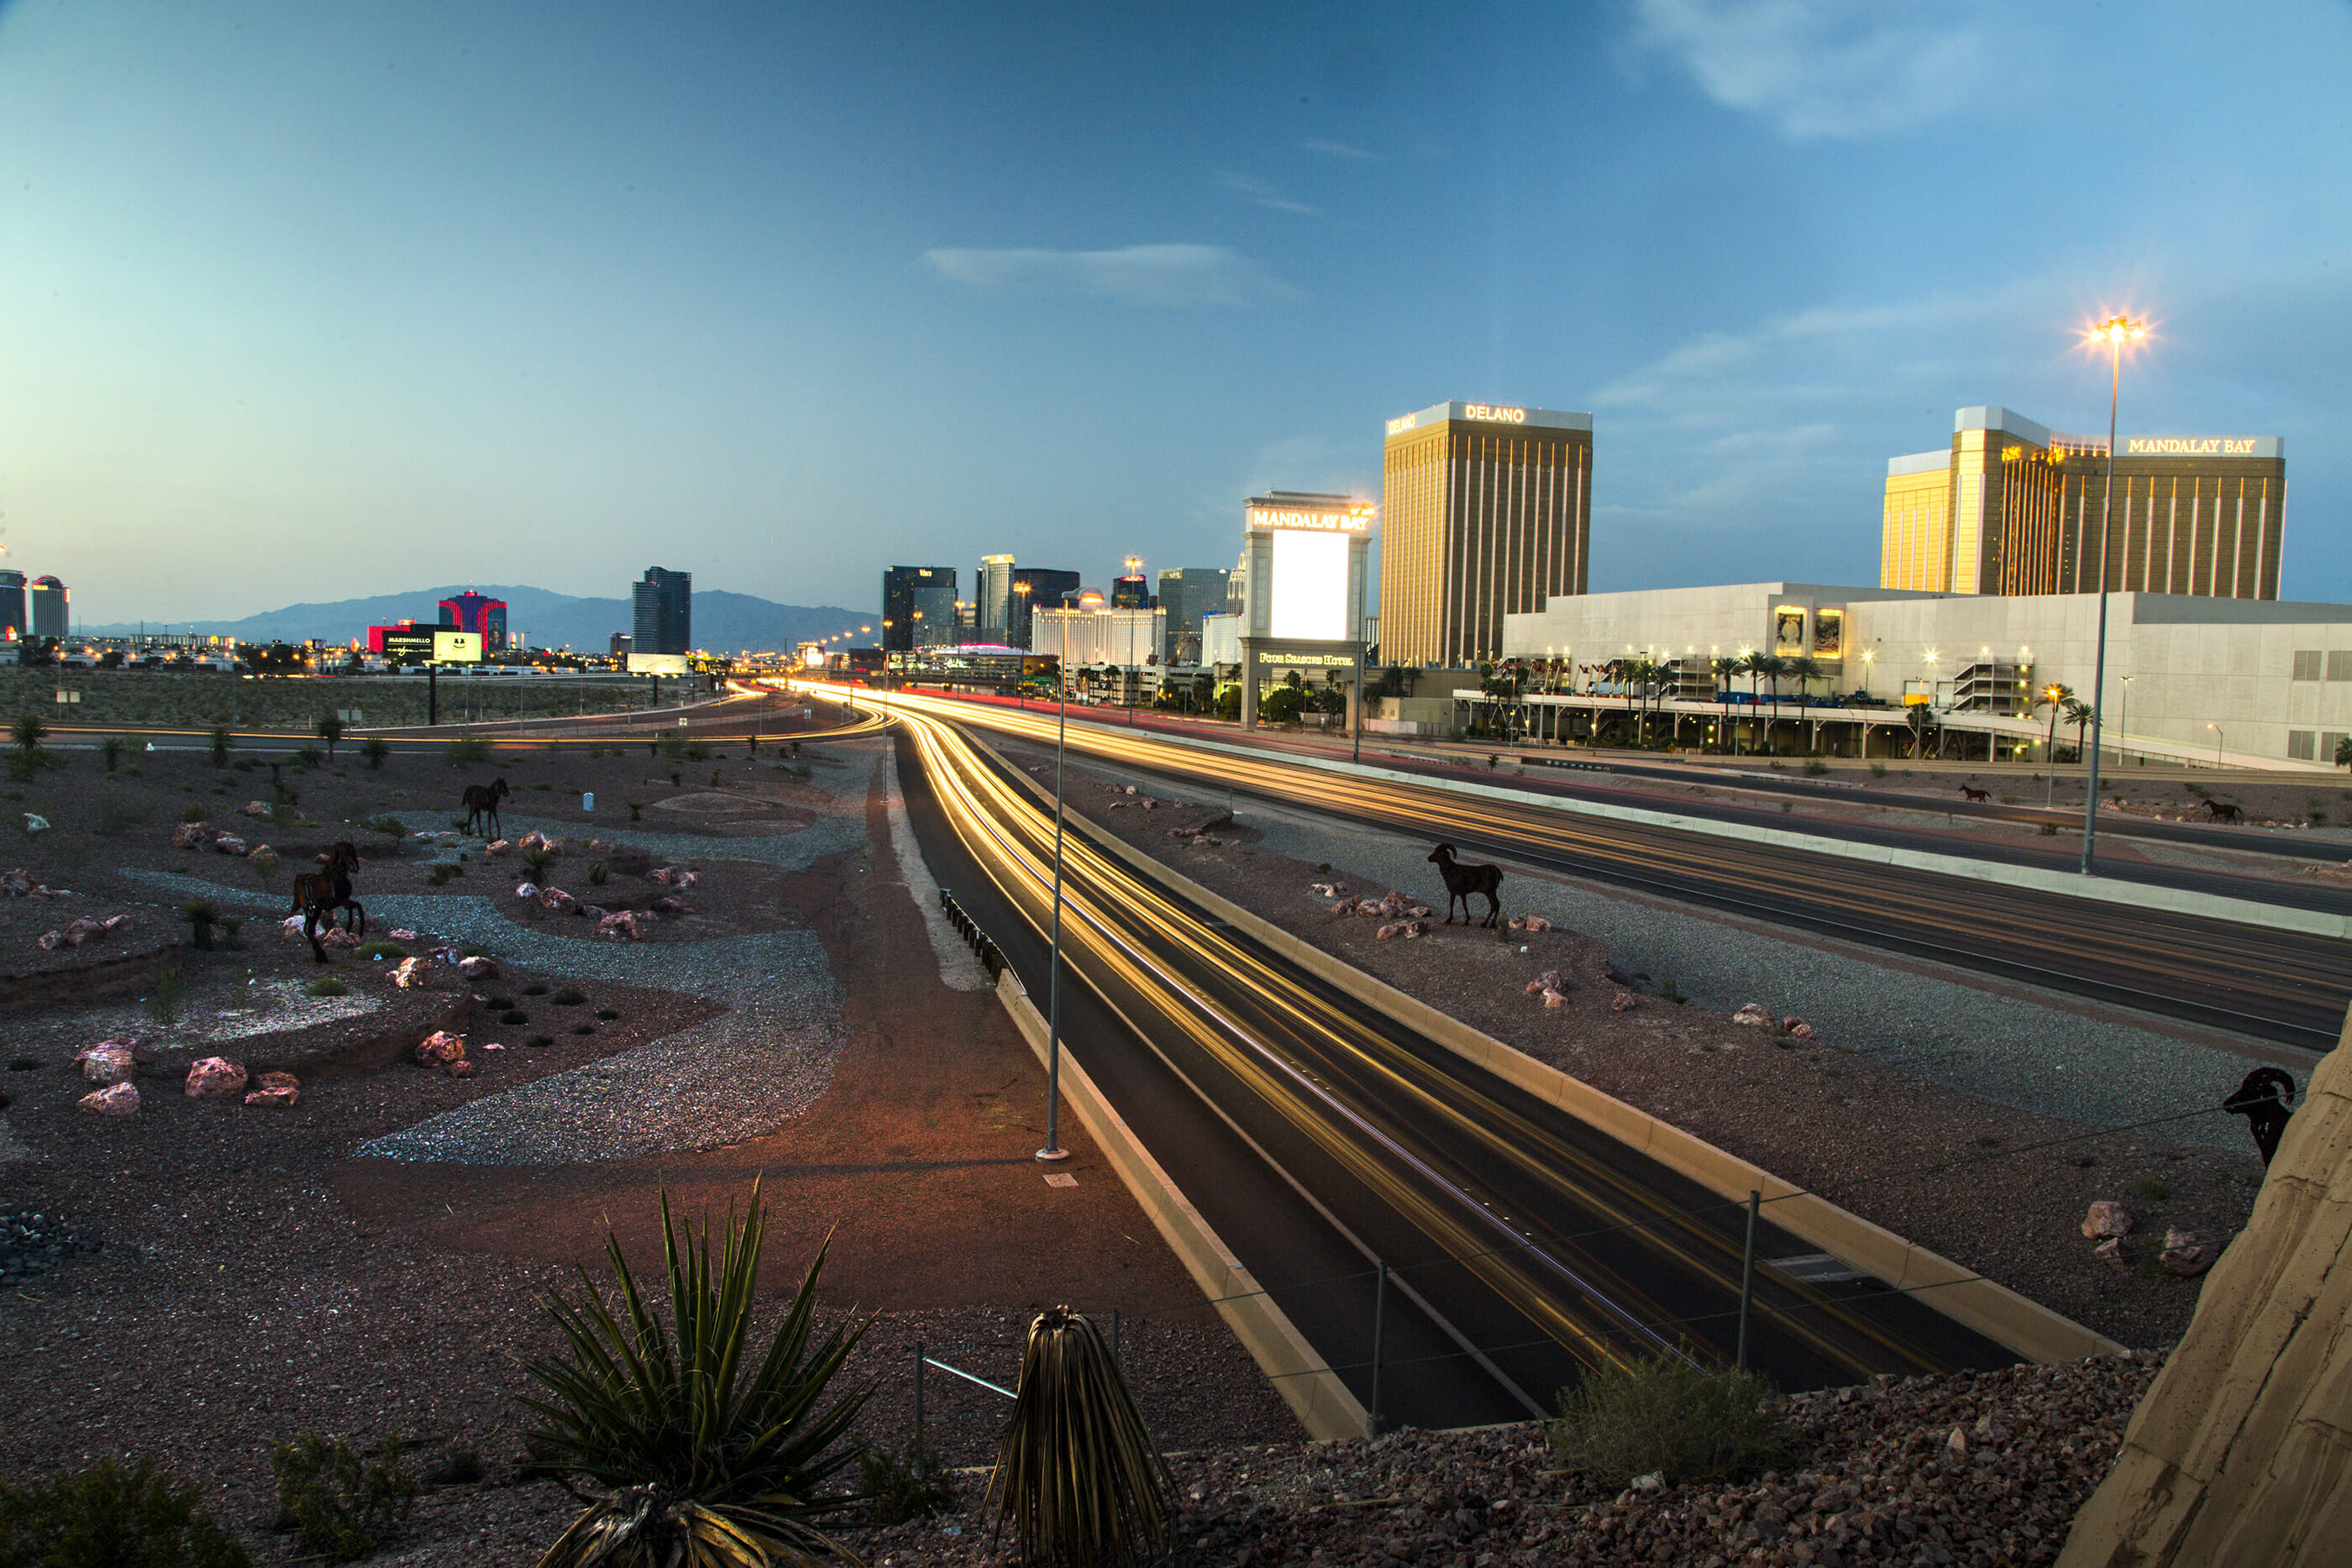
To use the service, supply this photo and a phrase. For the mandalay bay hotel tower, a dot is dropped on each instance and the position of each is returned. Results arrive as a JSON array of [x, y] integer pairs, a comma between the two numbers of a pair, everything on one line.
[[2013, 508], [1486, 511]]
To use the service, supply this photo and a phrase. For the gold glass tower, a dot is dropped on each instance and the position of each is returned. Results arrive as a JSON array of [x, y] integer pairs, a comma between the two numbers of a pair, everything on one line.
[[2014, 507], [1484, 511]]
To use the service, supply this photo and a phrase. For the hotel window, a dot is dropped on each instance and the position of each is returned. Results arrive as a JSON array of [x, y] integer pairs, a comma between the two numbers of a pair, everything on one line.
[[2300, 743], [2329, 739], [2306, 664], [2339, 664]]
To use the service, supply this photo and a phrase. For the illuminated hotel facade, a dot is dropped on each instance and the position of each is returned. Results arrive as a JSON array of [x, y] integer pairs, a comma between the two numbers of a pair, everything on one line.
[[1486, 511], [2014, 507]]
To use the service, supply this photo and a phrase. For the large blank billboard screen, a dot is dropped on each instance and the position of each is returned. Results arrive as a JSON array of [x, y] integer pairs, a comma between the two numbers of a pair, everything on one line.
[[1310, 585]]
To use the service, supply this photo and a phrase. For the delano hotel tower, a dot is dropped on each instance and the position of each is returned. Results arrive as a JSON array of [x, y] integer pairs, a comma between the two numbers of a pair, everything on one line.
[[2013, 508], [1484, 511]]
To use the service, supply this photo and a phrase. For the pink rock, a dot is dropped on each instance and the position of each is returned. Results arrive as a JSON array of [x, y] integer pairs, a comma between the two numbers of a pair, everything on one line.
[[661, 875], [497, 847], [337, 937], [527, 890], [1416, 928], [439, 1049], [114, 1099], [2107, 1219], [669, 903], [1802, 1031], [50, 941], [1625, 1002], [2113, 1254], [1555, 998], [556, 899], [114, 923], [277, 1091], [460, 1068], [108, 1061], [256, 809], [18, 884], [214, 1078], [410, 974], [686, 879], [187, 836], [1385, 932], [229, 844], [2188, 1253], [398, 932], [1752, 1016], [478, 969]]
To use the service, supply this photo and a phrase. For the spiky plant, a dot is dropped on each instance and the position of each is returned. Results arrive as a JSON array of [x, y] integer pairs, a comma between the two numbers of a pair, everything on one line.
[[1077, 1477], [711, 1462]]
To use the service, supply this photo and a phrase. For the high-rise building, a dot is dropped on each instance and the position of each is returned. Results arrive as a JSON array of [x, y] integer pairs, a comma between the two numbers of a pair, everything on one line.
[[919, 607], [1037, 588], [49, 608], [2012, 507], [618, 647], [1486, 511], [13, 624], [471, 612], [1189, 594], [992, 598], [662, 618]]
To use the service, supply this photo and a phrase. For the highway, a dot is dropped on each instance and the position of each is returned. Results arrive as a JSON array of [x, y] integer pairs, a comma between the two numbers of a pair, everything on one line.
[[2277, 985], [1318, 1136]]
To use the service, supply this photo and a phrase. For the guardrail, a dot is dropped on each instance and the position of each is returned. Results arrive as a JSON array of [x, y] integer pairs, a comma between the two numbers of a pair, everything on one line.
[[982, 945]]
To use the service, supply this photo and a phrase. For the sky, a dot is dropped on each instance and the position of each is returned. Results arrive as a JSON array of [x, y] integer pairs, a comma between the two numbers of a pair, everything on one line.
[[301, 302]]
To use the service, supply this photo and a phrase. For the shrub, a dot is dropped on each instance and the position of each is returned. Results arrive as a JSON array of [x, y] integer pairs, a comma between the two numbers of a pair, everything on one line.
[[1663, 1414], [567, 997], [2148, 1188], [466, 752], [29, 731], [599, 873], [309, 755], [1815, 768], [200, 913], [111, 748], [541, 784], [163, 1004], [904, 1484], [193, 812], [375, 749], [538, 859], [264, 862], [621, 1403], [636, 810], [389, 952], [232, 925], [440, 874], [1878, 771], [328, 985], [390, 827], [340, 1505], [105, 1515], [1077, 1475], [220, 745]]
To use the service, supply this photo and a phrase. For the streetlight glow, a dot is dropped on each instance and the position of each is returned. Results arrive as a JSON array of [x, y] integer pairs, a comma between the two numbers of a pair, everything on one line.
[[2112, 334]]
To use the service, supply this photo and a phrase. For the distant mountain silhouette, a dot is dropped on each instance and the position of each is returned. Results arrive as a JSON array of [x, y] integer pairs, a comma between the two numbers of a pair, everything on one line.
[[723, 622]]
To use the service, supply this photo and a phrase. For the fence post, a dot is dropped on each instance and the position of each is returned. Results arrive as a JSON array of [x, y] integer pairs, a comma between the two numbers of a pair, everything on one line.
[[1747, 1277], [918, 1394], [1379, 1332]]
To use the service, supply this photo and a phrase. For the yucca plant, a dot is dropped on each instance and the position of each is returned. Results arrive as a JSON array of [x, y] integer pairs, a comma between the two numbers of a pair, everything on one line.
[[1077, 1477], [711, 1462]]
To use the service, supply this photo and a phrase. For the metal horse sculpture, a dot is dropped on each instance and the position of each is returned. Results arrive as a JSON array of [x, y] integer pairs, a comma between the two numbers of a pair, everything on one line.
[[1461, 882], [2265, 1099], [319, 893], [482, 801]]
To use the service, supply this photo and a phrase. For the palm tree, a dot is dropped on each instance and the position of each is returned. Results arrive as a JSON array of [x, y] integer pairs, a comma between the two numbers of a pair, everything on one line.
[[1774, 669], [2054, 698], [2079, 714], [330, 730], [2343, 752]]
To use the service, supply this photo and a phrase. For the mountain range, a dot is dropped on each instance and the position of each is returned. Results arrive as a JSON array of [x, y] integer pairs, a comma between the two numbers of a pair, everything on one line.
[[723, 622]]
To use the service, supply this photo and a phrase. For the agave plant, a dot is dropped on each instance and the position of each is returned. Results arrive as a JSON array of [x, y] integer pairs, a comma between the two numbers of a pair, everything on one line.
[[1077, 1476], [711, 1462]]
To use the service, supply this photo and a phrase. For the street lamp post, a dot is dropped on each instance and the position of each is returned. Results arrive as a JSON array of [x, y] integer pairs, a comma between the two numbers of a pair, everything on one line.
[[2217, 743], [2050, 694], [2123, 727], [2113, 332], [1053, 1151]]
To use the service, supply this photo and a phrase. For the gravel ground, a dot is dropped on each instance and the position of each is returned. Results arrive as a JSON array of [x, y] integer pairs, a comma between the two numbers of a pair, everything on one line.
[[1978, 1470], [2048, 1059]]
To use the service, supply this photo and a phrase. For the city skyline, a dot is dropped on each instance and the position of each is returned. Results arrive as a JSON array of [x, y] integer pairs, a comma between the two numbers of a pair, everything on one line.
[[462, 283]]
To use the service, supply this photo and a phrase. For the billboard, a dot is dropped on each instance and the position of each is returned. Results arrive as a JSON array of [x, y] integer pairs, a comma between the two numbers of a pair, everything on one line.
[[406, 644], [1789, 631], [657, 664], [457, 647], [1310, 585]]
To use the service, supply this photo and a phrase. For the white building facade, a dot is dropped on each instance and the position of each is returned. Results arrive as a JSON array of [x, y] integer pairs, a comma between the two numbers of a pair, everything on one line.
[[2265, 682], [1100, 635]]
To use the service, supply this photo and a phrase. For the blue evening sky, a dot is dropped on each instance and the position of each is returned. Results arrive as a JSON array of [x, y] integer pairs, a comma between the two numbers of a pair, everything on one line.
[[303, 301]]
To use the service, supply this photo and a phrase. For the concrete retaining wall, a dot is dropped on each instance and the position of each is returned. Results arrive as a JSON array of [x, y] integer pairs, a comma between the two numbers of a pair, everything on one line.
[[1315, 1394]]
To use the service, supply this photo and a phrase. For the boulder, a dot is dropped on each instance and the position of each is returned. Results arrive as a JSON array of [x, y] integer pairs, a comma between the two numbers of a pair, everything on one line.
[[291, 928], [108, 1061], [214, 1078], [18, 884], [50, 941], [410, 974], [114, 1099], [1552, 998], [497, 847], [685, 880], [669, 903], [398, 934], [1416, 927], [336, 936], [228, 844], [187, 836], [257, 808], [1625, 1002], [2107, 1219], [461, 1068], [561, 902], [1803, 1030], [277, 1091], [2116, 1253], [1548, 980], [527, 890], [439, 1049], [2186, 1253], [624, 925], [1755, 1015], [1385, 932], [478, 969], [264, 859]]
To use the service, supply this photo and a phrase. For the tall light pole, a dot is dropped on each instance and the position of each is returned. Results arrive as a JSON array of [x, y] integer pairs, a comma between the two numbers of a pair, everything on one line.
[[2218, 738], [2113, 332], [1053, 1150], [2122, 726]]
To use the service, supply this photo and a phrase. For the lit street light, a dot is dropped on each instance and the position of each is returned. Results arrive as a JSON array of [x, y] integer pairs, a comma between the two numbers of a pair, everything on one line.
[[2217, 743], [2053, 694], [2113, 333]]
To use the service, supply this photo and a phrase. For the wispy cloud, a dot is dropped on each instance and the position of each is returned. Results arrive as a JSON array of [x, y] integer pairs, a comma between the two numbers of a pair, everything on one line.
[[1263, 194], [1168, 276], [1822, 69], [1337, 149]]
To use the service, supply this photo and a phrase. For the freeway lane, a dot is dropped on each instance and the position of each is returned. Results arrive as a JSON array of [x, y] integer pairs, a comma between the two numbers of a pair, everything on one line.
[[2277, 985], [1543, 1243]]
